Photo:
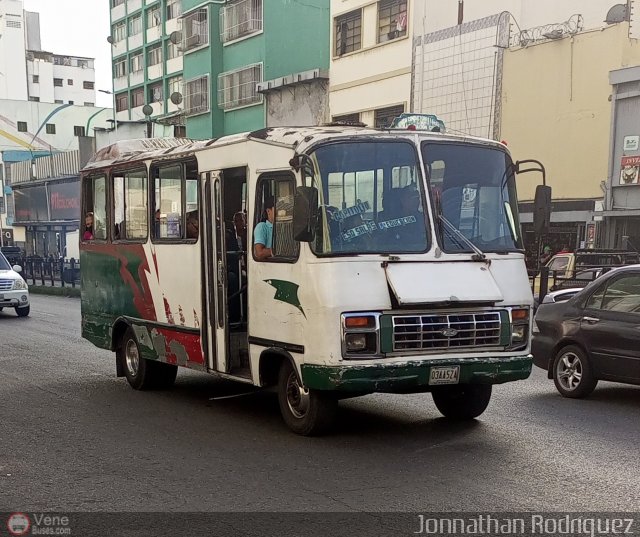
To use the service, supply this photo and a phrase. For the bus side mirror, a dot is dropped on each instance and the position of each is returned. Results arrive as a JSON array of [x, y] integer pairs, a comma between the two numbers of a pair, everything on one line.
[[305, 213], [542, 210]]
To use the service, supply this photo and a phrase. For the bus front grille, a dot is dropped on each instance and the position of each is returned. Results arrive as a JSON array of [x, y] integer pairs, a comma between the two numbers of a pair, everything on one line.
[[446, 331]]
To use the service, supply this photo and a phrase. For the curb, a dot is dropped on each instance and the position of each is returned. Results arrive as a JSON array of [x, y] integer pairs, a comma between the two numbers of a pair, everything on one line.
[[55, 291]]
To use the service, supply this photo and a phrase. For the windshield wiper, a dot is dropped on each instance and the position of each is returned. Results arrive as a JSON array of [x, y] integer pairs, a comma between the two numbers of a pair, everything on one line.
[[479, 254]]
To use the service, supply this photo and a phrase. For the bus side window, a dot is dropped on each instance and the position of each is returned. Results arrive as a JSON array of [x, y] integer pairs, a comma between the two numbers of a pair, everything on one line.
[[279, 191], [94, 224], [130, 205]]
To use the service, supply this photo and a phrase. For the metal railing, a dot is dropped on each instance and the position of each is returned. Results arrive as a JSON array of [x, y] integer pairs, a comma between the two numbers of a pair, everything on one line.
[[49, 271]]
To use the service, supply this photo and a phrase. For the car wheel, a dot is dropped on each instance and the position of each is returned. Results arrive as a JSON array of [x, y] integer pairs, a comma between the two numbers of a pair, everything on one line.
[[306, 412], [463, 401], [23, 312], [572, 373], [141, 373]]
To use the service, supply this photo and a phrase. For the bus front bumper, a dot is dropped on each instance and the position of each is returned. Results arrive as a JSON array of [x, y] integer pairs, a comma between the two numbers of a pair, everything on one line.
[[412, 376]]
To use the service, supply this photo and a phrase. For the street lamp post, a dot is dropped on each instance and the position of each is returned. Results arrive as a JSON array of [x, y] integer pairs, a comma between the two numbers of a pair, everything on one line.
[[113, 103]]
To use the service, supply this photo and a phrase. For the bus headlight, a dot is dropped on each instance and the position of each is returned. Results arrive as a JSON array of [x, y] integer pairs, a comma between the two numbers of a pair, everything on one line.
[[518, 334], [360, 335], [519, 328]]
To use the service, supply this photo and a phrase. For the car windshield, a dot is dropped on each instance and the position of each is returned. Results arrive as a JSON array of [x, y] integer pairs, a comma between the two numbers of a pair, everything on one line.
[[4, 264], [474, 192], [371, 198]]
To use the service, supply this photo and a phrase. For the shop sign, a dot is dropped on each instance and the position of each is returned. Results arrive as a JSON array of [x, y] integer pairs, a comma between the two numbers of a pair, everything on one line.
[[31, 204], [629, 170], [64, 200], [631, 143]]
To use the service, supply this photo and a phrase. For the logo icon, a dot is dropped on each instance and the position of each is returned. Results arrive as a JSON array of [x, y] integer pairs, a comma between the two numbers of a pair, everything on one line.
[[449, 332], [18, 524]]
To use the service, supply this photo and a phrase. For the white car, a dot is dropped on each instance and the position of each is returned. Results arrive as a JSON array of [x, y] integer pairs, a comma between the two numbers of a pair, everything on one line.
[[14, 291]]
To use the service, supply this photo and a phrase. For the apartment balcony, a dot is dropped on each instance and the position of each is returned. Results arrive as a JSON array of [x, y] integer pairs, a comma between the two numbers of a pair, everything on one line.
[[119, 48], [154, 71], [135, 41], [133, 5], [149, 2], [173, 107], [158, 109], [120, 83], [136, 78], [118, 12], [175, 65], [153, 34], [172, 25]]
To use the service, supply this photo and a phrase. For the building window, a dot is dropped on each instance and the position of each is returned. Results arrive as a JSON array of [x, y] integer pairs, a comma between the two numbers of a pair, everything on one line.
[[87, 84], [71, 102], [175, 85], [174, 9], [122, 102], [36, 79], [383, 117], [57, 82], [115, 3], [78, 130], [120, 69], [197, 97], [153, 17], [34, 99], [135, 25], [83, 64], [173, 51], [195, 29], [347, 119], [239, 19], [70, 81], [22, 126], [62, 60], [137, 97], [130, 210], [58, 101], [136, 63], [155, 93], [238, 88], [348, 32], [392, 19], [51, 128], [154, 55], [119, 31], [89, 104]]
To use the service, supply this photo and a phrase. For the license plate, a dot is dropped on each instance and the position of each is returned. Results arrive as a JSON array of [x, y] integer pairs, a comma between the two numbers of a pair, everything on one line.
[[444, 375]]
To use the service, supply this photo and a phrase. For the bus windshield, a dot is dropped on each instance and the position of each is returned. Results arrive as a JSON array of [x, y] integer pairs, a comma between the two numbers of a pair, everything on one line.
[[371, 199], [474, 197]]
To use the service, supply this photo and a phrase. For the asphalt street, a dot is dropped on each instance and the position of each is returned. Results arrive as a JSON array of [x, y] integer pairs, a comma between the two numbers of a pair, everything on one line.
[[73, 437]]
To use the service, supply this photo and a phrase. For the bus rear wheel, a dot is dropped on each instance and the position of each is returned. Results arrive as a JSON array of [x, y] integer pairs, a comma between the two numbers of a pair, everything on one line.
[[306, 412], [462, 401], [141, 373]]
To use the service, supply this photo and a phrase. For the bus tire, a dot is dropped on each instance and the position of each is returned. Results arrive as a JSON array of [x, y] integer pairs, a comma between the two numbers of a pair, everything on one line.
[[306, 412], [462, 401], [141, 373]]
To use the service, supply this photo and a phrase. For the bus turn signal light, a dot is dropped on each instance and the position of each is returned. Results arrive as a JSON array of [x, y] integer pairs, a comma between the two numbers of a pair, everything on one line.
[[520, 315], [360, 322]]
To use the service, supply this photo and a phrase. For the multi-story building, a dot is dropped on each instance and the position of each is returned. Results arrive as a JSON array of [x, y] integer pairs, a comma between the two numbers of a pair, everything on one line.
[[147, 59], [220, 65], [394, 56], [28, 73]]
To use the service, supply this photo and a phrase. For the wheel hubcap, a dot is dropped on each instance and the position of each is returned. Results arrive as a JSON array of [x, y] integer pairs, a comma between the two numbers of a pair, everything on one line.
[[569, 371], [132, 357], [297, 396]]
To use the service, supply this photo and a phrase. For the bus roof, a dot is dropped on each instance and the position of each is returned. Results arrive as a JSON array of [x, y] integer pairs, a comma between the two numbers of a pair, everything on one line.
[[129, 151]]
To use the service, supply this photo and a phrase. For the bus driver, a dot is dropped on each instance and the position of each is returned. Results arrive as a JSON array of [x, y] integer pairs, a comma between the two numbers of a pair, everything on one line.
[[263, 234]]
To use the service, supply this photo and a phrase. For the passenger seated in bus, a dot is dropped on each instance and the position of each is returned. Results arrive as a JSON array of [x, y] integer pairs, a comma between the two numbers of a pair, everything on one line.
[[192, 225], [88, 227], [263, 234]]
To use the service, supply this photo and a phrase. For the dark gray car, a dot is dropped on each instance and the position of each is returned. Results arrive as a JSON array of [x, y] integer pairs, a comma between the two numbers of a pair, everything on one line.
[[593, 336]]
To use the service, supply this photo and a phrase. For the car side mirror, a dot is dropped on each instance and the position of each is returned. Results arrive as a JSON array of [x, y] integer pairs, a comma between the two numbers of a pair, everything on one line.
[[305, 213], [17, 268], [542, 210]]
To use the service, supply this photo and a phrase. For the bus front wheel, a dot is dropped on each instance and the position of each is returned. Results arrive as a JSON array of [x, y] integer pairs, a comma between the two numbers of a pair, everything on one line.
[[462, 401], [306, 412], [143, 374]]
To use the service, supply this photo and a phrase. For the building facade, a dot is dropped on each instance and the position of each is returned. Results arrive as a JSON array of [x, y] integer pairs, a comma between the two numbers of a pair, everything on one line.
[[28, 73], [200, 63]]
